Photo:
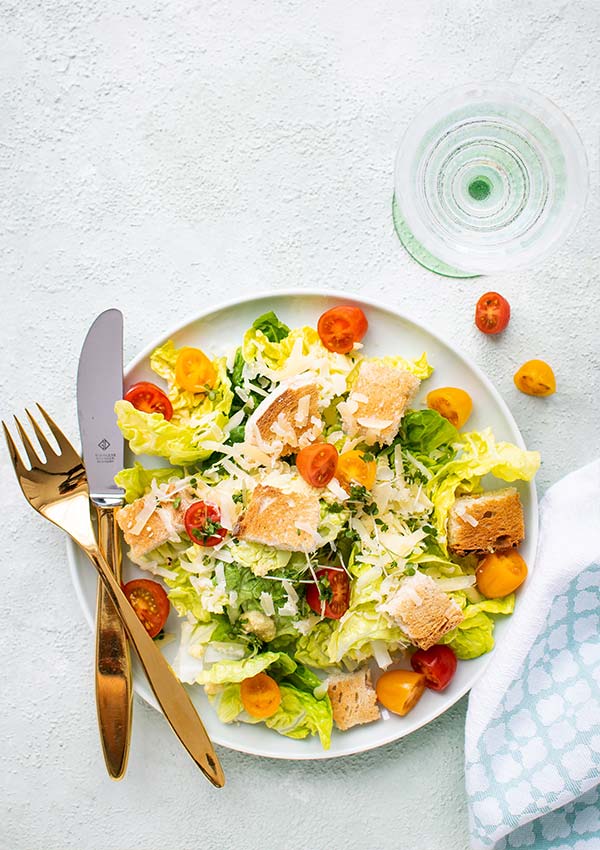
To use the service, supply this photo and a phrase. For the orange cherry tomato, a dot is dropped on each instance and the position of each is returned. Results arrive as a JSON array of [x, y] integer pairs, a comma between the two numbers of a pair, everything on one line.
[[260, 695], [452, 403], [499, 573], [317, 463], [194, 371], [492, 313], [150, 603], [400, 690], [352, 468], [149, 398], [340, 327], [535, 378]]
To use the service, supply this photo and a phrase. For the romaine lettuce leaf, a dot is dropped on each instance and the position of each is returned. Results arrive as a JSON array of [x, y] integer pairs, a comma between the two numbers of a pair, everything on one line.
[[475, 635], [479, 454], [271, 327], [224, 672], [424, 432]]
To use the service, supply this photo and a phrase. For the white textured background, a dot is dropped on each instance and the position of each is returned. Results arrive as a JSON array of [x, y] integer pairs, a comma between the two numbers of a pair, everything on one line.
[[157, 157]]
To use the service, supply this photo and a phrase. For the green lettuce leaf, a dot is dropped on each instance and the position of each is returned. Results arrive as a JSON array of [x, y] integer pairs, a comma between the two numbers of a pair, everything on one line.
[[136, 480], [479, 454], [224, 672], [300, 713], [271, 327], [475, 635], [419, 366], [311, 648], [426, 431], [351, 639]]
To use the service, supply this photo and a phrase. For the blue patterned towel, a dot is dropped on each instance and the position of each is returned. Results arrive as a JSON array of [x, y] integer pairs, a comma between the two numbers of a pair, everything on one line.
[[532, 742]]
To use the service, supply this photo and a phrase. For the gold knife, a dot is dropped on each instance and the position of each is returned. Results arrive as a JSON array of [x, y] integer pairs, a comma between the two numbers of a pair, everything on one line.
[[99, 386]]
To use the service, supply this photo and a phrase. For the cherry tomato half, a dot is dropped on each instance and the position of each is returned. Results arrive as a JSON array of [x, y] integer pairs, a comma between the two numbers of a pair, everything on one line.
[[499, 573], [194, 371], [400, 690], [260, 695], [203, 524], [340, 327], [452, 403], [150, 603], [437, 664], [352, 468], [535, 378], [317, 463], [333, 589], [492, 313], [149, 398]]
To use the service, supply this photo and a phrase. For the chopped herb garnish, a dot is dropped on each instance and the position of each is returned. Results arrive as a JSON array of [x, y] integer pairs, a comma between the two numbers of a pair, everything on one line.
[[410, 571], [324, 587], [336, 508], [238, 498], [193, 482], [177, 502], [368, 456]]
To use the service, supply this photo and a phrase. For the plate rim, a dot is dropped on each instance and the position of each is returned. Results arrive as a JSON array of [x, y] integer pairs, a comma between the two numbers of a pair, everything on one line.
[[139, 686]]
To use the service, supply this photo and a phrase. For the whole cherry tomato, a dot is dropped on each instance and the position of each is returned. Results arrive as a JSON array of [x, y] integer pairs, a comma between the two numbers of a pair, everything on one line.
[[437, 664]]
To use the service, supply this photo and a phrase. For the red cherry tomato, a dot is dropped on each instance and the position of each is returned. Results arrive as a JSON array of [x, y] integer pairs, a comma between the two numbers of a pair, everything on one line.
[[333, 589], [149, 398], [317, 463], [150, 603], [340, 327], [492, 313], [437, 664], [203, 524]]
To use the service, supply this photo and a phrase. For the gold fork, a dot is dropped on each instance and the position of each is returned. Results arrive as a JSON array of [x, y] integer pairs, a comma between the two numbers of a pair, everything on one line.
[[57, 488]]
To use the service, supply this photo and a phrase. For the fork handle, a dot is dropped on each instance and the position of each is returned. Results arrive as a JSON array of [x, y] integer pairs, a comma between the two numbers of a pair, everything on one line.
[[113, 665], [170, 693]]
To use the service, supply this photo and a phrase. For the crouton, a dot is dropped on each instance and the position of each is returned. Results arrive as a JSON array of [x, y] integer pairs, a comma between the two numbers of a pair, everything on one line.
[[284, 520], [287, 419], [422, 611], [163, 524], [353, 699], [484, 523], [377, 402]]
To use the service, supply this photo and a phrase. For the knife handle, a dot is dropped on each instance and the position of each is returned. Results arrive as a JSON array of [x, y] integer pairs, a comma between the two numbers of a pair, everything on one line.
[[113, 664]]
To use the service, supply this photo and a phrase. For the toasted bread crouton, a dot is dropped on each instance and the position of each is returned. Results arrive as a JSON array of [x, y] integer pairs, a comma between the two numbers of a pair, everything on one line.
[[163, 524], [377, 402], [423, 611], [287, 419], [353, 699], [284, 520], [484, 523]]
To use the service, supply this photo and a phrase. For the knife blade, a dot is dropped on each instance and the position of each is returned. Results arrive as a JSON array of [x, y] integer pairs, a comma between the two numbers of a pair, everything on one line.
[[99, 386]]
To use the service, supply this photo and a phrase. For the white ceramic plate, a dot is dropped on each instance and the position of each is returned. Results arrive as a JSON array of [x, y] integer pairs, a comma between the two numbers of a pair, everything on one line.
[[390, 333]]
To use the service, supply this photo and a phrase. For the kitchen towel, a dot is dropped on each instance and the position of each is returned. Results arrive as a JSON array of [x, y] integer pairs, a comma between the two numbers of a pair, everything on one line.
[[532, 740]]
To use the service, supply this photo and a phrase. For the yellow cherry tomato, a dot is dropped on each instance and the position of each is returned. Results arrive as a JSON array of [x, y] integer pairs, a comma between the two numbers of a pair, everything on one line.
[[352, 468], [194, 371], [400, 690], [499, 573], [452, 403], [260, 695], [535, 378]]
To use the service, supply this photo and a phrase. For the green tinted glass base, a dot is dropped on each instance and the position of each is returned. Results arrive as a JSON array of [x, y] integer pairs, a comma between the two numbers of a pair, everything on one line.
[[418, 252]]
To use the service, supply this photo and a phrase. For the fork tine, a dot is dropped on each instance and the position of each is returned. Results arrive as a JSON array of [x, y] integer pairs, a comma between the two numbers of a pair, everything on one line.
[[63, 444], [14, 454], [32, 455], [48, 450]]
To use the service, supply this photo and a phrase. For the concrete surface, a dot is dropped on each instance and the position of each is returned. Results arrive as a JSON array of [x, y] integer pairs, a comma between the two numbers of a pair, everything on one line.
[[159, 156]]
